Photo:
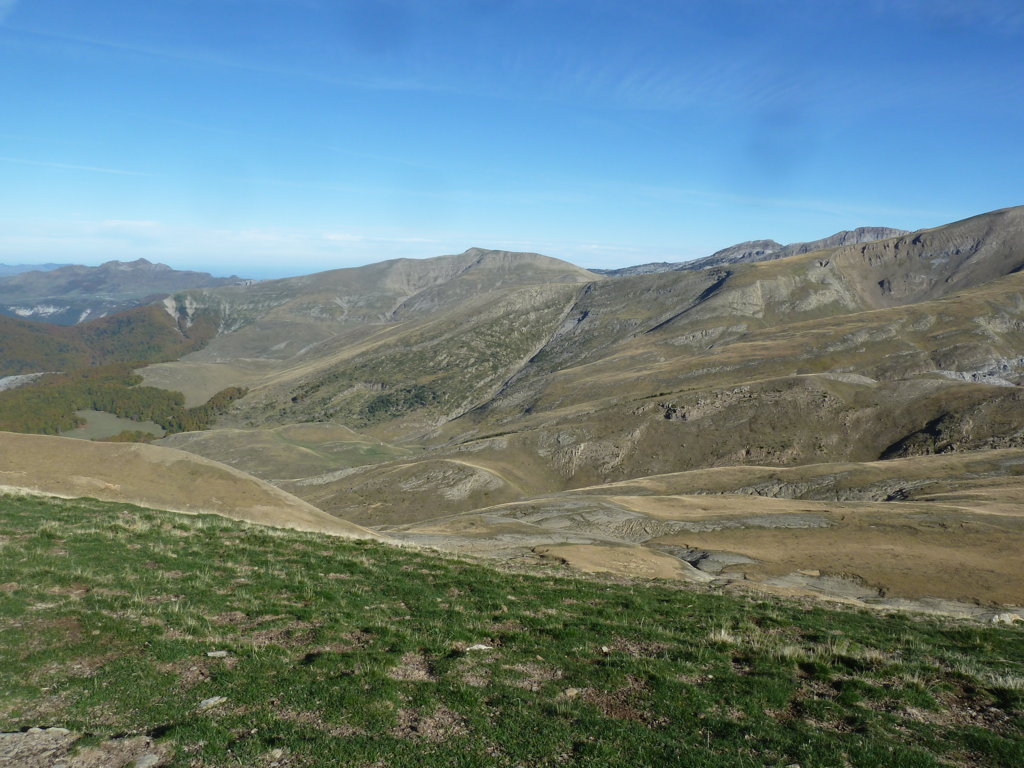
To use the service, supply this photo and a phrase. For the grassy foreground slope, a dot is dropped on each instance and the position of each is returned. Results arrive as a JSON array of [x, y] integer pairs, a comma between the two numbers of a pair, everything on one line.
[[213, 643]]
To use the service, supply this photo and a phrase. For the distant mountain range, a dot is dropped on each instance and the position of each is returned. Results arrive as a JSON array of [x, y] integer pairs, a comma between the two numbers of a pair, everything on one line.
[[758, 250], [493, 401], [14, 269], [846, 353], [66, 294], [71, 294]]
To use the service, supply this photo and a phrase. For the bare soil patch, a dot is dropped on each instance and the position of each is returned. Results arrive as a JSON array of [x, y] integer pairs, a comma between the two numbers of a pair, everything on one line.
[[440, 725], [412, 668]]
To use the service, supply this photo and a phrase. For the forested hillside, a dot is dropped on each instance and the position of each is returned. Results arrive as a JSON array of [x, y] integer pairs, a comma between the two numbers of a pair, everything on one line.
[[144, 334], [48, 406]]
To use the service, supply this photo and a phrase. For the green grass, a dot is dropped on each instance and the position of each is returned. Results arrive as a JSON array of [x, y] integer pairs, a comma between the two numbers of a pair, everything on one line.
[[346, 653], [100, 425]]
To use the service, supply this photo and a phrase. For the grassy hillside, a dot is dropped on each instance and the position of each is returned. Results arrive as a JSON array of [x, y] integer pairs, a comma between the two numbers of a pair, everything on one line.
[[195, 641], [154, 476]]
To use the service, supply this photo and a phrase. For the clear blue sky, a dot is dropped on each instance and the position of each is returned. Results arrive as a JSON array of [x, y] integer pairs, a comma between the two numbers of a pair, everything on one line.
[[274, 137]]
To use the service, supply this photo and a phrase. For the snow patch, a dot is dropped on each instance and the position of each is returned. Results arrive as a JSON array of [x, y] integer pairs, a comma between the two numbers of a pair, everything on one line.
[[40, 310]]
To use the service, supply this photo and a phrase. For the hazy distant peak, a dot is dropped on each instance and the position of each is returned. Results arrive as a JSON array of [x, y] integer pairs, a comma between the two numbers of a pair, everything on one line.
[[17, 269], [638, 269], [501, 260], [760, 250], [747, 251], [846, 237], [137, 265], [476, 252], [73, 294]]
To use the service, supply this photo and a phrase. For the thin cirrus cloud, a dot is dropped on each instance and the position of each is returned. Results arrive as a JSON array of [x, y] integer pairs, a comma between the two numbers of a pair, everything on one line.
[[1003, 15], [206, 58], [630, 83], [70, 166]]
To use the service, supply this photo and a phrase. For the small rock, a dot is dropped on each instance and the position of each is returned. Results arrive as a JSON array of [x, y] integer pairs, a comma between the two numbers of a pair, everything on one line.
[[148, 760], [605, 650], [216, 654], [1004, 618], [571, 693], [276, 754], [213, 701], [479, 647]]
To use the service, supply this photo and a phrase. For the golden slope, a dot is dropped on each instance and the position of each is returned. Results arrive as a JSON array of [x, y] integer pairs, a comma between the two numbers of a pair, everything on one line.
[[156, 477]]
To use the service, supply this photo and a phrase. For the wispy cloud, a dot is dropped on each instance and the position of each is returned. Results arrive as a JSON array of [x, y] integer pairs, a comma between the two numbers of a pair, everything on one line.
[[6, 6], [209, 59], [71, 166], [349, 237], [837, 208], [1002, 15]]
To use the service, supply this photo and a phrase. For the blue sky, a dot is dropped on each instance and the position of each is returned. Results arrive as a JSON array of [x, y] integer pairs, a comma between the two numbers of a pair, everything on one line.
[[276, 137]]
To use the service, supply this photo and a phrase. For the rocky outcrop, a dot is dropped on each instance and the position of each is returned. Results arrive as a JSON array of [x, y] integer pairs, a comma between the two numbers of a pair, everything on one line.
[[759, 250]]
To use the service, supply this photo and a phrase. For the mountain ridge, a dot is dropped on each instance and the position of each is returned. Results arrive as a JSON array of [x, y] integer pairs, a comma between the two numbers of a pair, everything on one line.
[[759, 250]]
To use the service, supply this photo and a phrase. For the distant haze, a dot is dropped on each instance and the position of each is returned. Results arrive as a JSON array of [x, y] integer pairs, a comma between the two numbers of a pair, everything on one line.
[[748, 251]]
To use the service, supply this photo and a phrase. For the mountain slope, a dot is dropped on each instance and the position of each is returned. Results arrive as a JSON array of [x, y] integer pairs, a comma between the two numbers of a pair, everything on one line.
[[501, 388], [456, 350], [331, 343], [72, 294]]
